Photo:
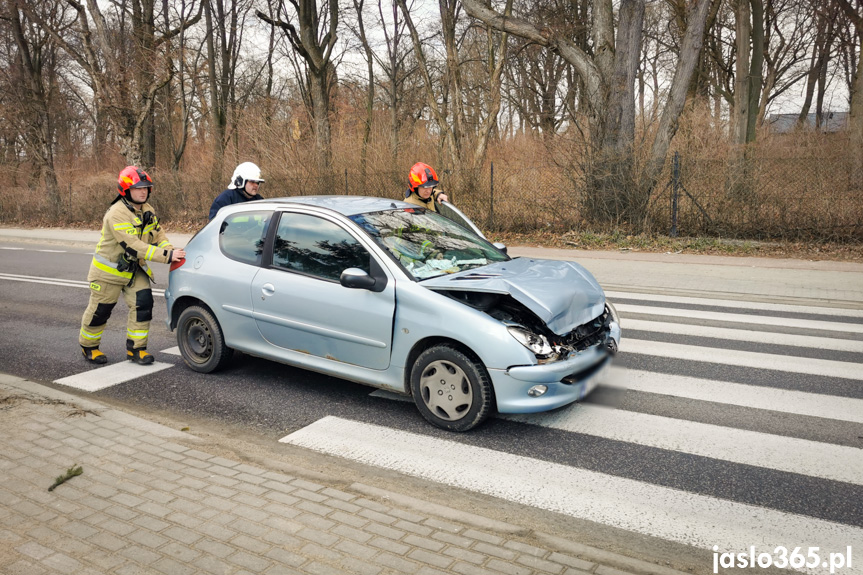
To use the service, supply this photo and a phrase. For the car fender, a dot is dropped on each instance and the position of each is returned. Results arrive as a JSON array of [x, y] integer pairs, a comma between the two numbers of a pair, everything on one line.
[[422, 314]]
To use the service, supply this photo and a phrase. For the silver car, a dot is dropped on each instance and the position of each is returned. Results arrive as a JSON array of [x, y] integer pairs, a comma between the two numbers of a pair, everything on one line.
[[393, 296]]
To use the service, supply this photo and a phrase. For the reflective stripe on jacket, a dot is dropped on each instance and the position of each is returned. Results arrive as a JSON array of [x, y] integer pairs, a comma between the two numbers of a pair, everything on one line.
[[124, 231]]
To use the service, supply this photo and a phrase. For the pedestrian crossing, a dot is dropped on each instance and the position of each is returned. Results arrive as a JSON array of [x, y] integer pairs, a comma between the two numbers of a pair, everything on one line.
[[723, 423]]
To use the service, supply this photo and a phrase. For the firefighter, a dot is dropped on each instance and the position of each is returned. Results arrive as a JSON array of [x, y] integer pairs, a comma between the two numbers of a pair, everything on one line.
[[131, 236], [421, 192], [242, 188]]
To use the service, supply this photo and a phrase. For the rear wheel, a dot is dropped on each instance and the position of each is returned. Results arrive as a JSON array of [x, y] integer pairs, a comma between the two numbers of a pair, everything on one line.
[[451, 389], [201, 342]]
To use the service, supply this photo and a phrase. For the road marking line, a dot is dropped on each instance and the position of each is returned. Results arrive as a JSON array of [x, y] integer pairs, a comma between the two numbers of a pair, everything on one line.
[[657, 511], [12, 249], [763, 306], [745, 335], [787, 363], [52, 251], [739, 318], [172, 350], [755, 448], [757, 397], [59, 282], [791, 454], [102, 377]]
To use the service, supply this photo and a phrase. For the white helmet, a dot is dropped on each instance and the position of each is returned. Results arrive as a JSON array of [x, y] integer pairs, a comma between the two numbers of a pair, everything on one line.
[[245, 172]]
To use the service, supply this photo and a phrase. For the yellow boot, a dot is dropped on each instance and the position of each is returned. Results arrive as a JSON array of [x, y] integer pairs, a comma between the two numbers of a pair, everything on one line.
[[140, 356], [93, 355]]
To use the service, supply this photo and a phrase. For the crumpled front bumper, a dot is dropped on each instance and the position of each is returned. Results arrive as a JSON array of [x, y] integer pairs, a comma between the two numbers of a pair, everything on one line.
[[567, 381]]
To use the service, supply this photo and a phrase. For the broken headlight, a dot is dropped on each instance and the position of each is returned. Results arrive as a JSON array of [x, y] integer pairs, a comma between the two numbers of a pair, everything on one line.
[[536, 343]]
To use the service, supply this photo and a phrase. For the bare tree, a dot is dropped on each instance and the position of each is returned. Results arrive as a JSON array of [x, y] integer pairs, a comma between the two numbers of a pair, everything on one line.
[[314, 42], [608, 76], [370, 87], [36, 55], [181, 91], [788, 35], [853, 11], [121, 63], [394, 68], [449, 108], [226, 21]]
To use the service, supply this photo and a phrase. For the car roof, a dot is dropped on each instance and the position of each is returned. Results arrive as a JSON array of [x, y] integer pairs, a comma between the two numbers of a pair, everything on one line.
[[345, 205]]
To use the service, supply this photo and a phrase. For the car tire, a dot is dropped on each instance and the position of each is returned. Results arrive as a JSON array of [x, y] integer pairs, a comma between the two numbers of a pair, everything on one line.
[[451, 389], [201, 342]]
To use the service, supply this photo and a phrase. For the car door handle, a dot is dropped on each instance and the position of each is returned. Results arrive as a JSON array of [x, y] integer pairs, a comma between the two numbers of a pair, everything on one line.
[[267, 290]]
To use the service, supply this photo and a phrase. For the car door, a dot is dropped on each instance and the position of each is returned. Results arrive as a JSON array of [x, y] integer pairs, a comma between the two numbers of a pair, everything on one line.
[[300, 305], [226, 282], [448, 210]]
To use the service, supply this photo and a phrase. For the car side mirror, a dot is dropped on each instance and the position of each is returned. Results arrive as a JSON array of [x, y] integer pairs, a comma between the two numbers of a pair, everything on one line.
[[356, 278], [500, 246]]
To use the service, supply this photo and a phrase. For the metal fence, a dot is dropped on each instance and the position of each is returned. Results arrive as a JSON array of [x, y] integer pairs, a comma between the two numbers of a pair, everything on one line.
[[805, 197], [790, 198]]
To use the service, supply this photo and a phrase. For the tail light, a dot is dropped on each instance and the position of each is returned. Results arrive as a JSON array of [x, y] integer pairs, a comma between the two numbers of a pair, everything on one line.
[[177, 264]]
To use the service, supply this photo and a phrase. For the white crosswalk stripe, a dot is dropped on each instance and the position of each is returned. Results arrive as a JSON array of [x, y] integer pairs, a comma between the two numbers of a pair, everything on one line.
[[757, 320], [797, 455], [782, 400], [633, 505], [751, 359], [746, 335], [102, 377]]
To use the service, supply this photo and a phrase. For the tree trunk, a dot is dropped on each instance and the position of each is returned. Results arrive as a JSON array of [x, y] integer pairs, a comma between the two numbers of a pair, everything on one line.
[[370, 90], [856, 109], [39, 135], [756, 69], [743, 29], [856, 121], [319, 94], [690, 50], [316, 51], [218, 113], [614, 190]]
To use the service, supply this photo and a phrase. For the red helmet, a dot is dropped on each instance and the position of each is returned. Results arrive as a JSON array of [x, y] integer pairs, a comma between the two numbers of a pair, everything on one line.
[[422, 175], [132, 177]]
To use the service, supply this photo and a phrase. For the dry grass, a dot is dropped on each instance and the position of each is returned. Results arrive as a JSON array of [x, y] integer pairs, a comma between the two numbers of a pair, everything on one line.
[[616, 240], [795, 195]]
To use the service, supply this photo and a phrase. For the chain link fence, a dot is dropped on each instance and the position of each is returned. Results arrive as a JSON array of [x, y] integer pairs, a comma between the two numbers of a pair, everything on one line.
[[788, 198], [792, 197]]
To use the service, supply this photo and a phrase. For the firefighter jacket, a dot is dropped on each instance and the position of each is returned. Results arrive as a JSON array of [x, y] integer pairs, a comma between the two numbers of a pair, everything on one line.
[[429, 204], [133, 233]]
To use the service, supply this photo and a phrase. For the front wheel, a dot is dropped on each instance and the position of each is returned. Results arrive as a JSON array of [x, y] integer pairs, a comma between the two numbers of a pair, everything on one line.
[[451, 389], [201, 342]]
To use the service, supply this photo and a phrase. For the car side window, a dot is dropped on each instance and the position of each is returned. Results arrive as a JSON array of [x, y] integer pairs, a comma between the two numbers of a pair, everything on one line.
[[317, 247], [242, 236]]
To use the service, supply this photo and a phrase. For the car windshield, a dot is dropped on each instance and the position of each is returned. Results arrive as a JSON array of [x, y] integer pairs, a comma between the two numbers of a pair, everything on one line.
[[428, 244]]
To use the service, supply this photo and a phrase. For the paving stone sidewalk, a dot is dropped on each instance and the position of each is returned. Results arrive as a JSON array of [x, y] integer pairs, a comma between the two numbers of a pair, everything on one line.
[[149, 503]]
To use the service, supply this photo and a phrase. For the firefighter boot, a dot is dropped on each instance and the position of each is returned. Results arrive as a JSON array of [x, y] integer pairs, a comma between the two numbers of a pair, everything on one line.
[[140, 356], [93, 355]]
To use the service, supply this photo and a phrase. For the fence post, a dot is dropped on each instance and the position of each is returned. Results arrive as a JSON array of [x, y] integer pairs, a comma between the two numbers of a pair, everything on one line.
[[346, 181], [491, 200], [675, 192]]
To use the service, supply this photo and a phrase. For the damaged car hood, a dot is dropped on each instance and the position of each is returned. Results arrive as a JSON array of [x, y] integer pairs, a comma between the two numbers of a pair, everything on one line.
[[562, 294]]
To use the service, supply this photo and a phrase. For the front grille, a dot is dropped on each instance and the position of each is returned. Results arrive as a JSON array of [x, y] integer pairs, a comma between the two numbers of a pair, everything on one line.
[[588, 334], [587, 373]]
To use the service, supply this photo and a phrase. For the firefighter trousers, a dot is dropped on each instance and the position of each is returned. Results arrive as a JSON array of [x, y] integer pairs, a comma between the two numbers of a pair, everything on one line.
[[103, 298]]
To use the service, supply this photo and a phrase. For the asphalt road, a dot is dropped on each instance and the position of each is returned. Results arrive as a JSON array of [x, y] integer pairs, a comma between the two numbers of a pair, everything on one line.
[[43, 294]]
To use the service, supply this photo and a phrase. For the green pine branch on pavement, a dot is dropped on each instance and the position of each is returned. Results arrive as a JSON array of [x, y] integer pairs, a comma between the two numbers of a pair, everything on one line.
[[70, 473]]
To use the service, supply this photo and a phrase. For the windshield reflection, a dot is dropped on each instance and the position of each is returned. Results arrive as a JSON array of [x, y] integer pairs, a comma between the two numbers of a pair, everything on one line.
[[428, 244]]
